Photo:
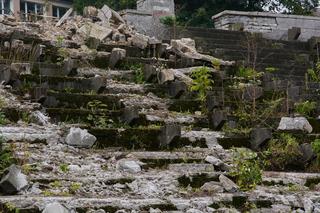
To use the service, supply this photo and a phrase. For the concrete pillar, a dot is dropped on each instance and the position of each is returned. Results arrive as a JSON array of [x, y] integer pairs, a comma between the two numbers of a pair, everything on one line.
[[16, 8]]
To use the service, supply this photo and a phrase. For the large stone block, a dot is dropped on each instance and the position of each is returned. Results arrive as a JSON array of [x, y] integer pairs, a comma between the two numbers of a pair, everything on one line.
[[13, 181]]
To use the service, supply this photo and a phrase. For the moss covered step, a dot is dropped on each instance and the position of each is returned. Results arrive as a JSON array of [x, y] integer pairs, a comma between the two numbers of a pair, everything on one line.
[[30, 204], [151, 138], [81, 115], [81, 100], [81, 84]]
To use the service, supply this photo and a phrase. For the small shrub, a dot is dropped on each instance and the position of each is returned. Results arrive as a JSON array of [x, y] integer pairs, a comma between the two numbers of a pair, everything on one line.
[[316, 148], [283, 151], [64, 168], [246, 169], [3, 119], [74, 187], [97, 118], [6, 157], [314, 73], [168, 20], [305, 108], [202, 83]]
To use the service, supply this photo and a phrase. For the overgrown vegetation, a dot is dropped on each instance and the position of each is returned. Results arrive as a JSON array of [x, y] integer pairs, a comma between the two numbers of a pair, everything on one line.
[[247, 169], [316, 148], [97, 117], [283, 152], [314, 73], [202, 83], [306, 108], [6, 156], [168, 20]]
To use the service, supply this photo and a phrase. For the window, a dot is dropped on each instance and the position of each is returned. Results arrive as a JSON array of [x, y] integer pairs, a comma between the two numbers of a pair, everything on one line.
[[30, 7], [5, 7], [59, 11]]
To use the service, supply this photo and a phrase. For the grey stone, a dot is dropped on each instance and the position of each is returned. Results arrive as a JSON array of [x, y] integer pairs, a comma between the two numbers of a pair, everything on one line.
[[80, 138], [169, 133], [295, 124], [117, 55], [217, 119], [21, 68], [228, 184], [139, 40], [56, 208], [130, 115], [165, 75], [5, 74], [213, 187], [130, 166], [149, 72], [294, 33], [13, 181], [252, 93], [177, 88], [213, 160], [259, 136], [307, 152]]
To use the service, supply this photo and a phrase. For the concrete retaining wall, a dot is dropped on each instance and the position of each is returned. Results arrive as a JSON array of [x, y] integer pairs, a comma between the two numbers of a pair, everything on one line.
[[272, 26]]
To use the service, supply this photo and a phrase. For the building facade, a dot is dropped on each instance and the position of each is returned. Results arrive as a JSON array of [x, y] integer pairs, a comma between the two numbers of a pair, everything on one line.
[[21, 8]]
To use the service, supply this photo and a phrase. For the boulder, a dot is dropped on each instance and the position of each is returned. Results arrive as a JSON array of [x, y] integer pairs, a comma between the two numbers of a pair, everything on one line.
[[212, 187], [307, 152], [130, 166], [130, 115], [168, 133], [13, 181], [117, 54], [214, 161], [177, 88], [165, 75], [139, 40], [56, 208], [295, 124], [228, 184], [80, 138], [217, 119], [259, 136]]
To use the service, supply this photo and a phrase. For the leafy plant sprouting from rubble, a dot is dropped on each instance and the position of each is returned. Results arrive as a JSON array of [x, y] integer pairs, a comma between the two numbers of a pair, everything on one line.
[[6, 156], [202, 83], [62, 52], [246, 169], [314, 73], [96, 117]]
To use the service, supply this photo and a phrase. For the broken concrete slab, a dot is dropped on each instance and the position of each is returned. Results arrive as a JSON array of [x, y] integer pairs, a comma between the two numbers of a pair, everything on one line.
[[13, 181], [64, 17], [80, 138], [117, 54], [169, 133]]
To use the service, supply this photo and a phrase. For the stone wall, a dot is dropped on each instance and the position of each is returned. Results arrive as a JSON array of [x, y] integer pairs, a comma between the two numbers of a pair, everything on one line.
[[272, 26], [157, 7]]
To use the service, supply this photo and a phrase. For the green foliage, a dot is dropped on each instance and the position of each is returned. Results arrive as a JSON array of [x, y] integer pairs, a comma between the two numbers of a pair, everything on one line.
[[168, 20], [314, 73], [97, 117], [202, 82], [305, 108], [3, 119], [316, 148], [6, 156], [64, 168], [74, 187], [283, 151], [138, 73], [246, 169]]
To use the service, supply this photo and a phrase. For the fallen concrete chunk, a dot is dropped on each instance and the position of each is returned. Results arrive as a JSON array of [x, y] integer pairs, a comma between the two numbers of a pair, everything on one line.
[[64, 17], [259, 136], [307, 152], [295, 124], [56, 208], [128, 166], [80, 138], [14, 181], [116, 17], [213, 187], [185, 47], [90, 12], [117, 55], [169, 133], [228, 184], [165, 75], [139, 40], [105, 14]]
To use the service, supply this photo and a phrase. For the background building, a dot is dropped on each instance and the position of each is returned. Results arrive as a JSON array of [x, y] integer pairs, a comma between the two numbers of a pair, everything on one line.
[[21, 8]]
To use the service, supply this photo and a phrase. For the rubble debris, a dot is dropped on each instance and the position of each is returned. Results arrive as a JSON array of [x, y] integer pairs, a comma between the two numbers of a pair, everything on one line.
[[80, 138], [14, 181], [295, 124], [64, 17], [56, 207]]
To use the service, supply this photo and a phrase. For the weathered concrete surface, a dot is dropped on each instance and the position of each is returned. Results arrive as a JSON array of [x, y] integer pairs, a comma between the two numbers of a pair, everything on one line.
[[273, 26]]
